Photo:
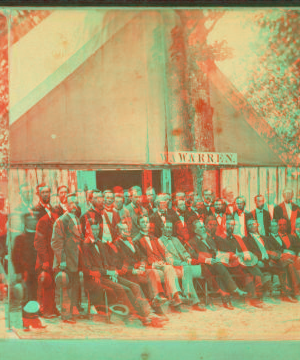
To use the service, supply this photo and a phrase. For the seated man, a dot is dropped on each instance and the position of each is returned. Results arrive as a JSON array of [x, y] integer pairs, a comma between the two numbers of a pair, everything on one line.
[[202, 248], [286, 247], [268, 258], [177, 256], [158, 219], [102, 261], [134, 269], [233, 245], [154, 256]]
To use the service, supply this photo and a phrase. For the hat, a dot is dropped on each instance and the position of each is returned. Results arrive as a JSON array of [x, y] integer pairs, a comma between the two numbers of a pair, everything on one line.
[[62, 280], [252, 259], [18, 291], [119, 309], [31, 308]]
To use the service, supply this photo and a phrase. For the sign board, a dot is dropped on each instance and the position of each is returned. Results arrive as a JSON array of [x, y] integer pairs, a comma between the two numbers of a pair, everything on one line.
[[200, 158]]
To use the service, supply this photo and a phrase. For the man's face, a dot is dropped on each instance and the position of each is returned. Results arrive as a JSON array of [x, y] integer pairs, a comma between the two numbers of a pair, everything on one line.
[[26, 194], [119, 201], [260, 202], [108, 199], [181, 202], [72, 204], [240, 204], [150, 196], [124, 231], [126, 198], [288, 195], [208, 196], [230, 226], [97, 200], [212, 226], [219, 207], [62, 194], [200, 228], [253, 226], [168, 229], [136, 198], [144, 224], [190, 199], [163, 205], [274, 227], [282, 226], [95, 231], [230, 196], [45, 194]]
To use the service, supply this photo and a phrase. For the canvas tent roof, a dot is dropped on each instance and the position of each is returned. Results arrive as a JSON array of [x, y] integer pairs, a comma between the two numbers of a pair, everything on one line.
[[106, 102]]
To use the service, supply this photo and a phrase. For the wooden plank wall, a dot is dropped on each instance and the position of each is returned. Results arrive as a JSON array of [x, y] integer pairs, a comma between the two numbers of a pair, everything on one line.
[[270, 182]]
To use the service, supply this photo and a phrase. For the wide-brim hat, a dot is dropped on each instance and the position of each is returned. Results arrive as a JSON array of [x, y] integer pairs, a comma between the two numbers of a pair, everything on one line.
[[119, 309], [31, 309], [251, 259]]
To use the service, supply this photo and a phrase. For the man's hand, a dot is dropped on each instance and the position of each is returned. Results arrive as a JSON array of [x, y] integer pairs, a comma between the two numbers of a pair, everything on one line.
[[112, 273], [63, 265], [189, 261], [46, 265], [95, 274], [97, 281]]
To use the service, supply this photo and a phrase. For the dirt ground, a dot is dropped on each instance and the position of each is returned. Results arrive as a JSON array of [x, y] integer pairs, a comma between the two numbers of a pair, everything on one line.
[[276, 321]]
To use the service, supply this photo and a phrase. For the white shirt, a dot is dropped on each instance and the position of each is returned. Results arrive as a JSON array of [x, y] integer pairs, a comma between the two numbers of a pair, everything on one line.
[[131, 247], [288, 209], [64, 207], [219, 219], [277, 238], [106, 231], [149, 242], [262, 249], [74, 218], [162, 216], [260, 220], [239, 228]]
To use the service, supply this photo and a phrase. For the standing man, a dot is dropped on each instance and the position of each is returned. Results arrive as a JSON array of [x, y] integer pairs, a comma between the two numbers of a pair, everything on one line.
[[219, 211], [62, 207], [66, 240], [287, 210], [44, 194], [241, 217], [179, 217], [151, 196], [120, 208], [261, 215], [127, 199], [135, 209], [205, 208], [158, 219], [94, 211], [110, 218]]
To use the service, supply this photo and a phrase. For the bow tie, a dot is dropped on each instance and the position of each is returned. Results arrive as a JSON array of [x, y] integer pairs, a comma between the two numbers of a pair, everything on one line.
[[109, 210]]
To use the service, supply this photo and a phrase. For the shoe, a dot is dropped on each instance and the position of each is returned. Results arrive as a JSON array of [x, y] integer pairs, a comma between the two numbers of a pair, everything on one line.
[[227, 305], [154, 322], [49, 316], [223, 293], [159, 300], [56, 312], [69, 321], [159, 311], [177, 300], [176, 309], [197, 307], [288, 299], [256, 303]]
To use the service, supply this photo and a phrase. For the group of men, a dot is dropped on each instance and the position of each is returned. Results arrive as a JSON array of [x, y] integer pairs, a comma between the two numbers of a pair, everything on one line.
[[147, 250]]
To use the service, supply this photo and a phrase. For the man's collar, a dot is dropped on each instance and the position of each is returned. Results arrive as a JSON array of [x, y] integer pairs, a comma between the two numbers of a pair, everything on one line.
[[274, 234], [143, 233]]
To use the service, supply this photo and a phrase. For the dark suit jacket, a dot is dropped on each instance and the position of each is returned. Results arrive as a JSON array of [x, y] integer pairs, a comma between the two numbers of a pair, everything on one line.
[[229, 244], [196, 247], [66, 242], [281, 213], [251, 245], [182, 232], [203, 212], [130, 259], [156, 220], [297, 243], [24, 253], [115, 221], [42, 240], [147, 255], [41, 210], [267, 220], [291, 243], [91, 214], [134, 214]]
